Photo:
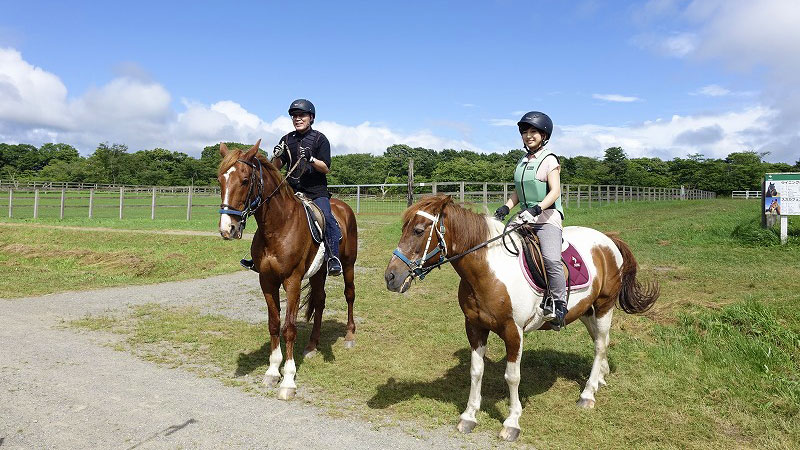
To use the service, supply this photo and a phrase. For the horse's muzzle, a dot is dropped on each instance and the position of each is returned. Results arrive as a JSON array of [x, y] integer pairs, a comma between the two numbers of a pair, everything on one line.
[[229, 229], [397, 280]]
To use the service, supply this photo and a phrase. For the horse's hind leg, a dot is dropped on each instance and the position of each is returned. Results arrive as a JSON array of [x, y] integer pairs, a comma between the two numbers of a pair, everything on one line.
[[316, 305], [272, 297], [599, 328], [350, 296]]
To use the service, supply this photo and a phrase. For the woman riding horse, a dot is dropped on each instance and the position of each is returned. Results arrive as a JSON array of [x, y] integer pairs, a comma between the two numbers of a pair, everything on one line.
[[495, 296]]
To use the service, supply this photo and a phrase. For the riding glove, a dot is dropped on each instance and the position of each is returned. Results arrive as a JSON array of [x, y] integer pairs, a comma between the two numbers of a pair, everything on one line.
[[501, 212], [528, 215]]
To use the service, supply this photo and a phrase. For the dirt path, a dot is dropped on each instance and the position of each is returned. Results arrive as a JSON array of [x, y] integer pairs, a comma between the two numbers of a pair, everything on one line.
[[62, 388]]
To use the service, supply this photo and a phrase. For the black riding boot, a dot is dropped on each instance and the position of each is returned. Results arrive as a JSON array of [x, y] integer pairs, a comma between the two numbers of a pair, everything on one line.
[[554, 312], [248, 264], [334, 265]]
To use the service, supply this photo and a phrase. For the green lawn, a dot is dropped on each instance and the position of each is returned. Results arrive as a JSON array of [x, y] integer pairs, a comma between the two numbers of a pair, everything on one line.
[[715, 364]]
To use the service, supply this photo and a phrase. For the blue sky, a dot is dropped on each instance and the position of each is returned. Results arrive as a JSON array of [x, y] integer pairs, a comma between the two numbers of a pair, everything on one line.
[[660, 78]]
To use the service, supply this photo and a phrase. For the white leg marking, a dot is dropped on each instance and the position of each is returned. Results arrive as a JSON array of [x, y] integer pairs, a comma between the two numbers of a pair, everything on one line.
[[513, 377], [275, 359], [476, 378], [289, 370], [599, 329]]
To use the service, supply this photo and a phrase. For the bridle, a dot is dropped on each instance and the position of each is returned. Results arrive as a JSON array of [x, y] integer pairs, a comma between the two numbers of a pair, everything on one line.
[[254, 192], [415, 266]]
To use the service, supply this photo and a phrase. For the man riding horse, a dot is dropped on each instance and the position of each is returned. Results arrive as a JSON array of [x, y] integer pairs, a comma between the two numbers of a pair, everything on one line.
[[308, 152]]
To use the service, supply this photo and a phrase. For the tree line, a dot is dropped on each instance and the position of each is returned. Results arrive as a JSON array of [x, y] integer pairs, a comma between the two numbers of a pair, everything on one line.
[[114, 164]]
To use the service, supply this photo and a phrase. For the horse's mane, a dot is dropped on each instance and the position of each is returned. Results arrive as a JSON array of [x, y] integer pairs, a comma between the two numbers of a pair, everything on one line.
[[472, 227], [271, 171]]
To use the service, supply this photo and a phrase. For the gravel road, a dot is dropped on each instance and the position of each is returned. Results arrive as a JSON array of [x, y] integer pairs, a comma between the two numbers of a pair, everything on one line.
[[63, 388]]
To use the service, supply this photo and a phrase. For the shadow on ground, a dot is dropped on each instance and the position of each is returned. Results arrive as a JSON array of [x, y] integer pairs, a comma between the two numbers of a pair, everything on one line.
[[540, 369], [330, 332]]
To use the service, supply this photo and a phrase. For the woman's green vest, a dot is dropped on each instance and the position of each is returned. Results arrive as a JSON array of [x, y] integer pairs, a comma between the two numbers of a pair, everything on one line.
[[529, 189]]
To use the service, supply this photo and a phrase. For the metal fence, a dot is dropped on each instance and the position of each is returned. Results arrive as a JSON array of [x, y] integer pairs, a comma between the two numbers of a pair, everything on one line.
[[72, 200]]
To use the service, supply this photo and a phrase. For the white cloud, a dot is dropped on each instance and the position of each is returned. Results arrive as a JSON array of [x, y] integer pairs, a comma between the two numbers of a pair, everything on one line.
[[712, 90], [615, 98], [34, 108], [715, 136]]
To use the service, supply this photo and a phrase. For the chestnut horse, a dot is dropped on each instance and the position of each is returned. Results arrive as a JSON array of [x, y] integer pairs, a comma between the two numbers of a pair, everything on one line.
[[283, 252], [494, 295]]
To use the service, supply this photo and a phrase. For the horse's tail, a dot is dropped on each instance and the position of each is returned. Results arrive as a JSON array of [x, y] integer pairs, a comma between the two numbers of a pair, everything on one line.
[[308, 300], [633, 297]]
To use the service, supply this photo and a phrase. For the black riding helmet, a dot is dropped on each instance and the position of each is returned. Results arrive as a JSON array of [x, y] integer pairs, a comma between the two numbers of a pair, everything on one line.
[[538, 120], [302, 105]]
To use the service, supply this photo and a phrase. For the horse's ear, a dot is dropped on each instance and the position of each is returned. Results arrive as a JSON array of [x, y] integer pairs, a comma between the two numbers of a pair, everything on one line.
[[223, 149], [252, 152]]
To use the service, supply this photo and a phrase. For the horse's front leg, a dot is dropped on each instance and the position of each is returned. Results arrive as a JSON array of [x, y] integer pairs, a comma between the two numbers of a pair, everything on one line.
[[288, 388], [512, 336], [477, 341], [272, 296]]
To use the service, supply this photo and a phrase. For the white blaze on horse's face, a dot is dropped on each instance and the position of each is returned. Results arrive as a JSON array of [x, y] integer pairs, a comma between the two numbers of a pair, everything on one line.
[[228, 228]]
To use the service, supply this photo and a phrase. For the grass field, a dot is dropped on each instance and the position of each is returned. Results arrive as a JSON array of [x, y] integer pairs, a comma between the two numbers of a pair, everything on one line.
[[715, 364]]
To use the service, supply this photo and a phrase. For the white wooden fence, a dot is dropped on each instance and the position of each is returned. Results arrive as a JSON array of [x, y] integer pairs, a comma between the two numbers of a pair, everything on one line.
[[56, 199]]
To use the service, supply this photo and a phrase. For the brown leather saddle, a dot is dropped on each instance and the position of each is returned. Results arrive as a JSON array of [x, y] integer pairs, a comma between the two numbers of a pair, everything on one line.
[[316, 220]]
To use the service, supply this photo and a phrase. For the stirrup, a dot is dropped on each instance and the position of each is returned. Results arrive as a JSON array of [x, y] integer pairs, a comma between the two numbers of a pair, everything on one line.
[[558, 322], [334, 266], [248, 264]]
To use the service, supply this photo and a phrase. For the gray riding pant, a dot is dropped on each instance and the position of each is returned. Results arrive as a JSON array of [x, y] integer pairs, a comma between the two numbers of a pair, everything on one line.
[[550, 243]]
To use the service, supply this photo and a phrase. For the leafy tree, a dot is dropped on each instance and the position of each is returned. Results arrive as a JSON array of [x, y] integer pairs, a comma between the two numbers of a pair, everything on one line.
[[616, 161]]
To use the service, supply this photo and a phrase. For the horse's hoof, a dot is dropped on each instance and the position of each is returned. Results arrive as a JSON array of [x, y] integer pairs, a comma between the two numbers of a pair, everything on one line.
[[465, 426], [309, 353], [286, 393], [586, 403], [350, 344], [509, 434], [271, 381]]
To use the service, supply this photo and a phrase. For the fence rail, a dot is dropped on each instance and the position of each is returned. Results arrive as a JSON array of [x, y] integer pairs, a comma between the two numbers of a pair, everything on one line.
[[73, 200], [746, 194]]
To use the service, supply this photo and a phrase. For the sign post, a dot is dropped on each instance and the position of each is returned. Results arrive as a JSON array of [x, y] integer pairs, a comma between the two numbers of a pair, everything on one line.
[[781, 199]]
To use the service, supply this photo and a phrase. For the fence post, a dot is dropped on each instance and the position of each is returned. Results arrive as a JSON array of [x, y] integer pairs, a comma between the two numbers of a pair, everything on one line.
[[461, 192], [590, 196], [189, 204], [485, 195], [61, 208], [91, 203], [579, 196], [36, 204], [616, 194], [566, 197], [434, 188], [121, 200], [11, 201], [358, 199], [505, 193], [153, 205]]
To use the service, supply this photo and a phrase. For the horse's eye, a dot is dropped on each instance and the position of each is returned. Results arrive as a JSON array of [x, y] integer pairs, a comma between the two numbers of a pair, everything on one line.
[[419, 230], [246, 181]]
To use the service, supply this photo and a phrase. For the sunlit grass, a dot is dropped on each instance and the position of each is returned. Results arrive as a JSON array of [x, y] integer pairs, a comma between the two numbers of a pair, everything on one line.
[[714, 365]]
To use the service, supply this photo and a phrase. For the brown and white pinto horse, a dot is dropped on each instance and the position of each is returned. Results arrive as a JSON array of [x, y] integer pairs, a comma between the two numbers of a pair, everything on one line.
[[494, 295], [283, 252]]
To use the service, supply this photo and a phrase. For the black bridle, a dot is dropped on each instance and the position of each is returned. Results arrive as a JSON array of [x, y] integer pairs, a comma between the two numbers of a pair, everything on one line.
[[254, 198]]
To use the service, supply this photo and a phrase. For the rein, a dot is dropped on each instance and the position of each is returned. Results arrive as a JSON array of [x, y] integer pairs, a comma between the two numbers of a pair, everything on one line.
[[416, 266], [251, 206]]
